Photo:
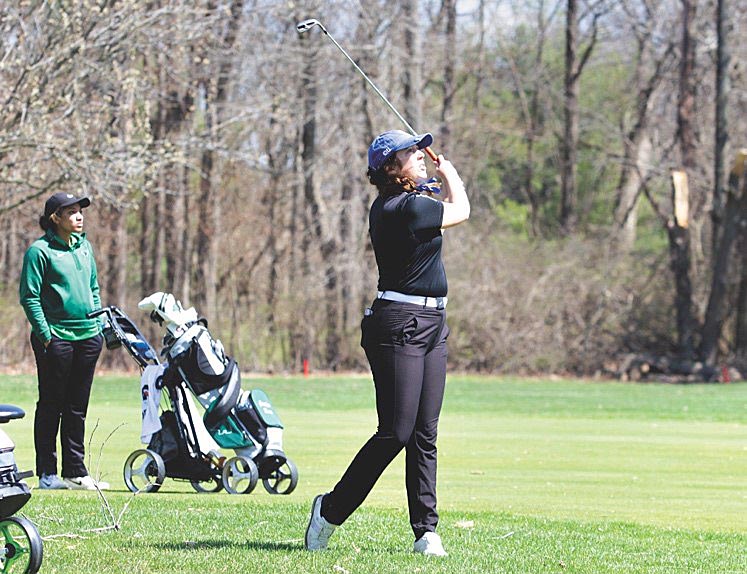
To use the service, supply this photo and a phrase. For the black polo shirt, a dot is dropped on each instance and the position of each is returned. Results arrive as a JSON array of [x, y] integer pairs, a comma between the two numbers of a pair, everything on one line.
[[405, 231]]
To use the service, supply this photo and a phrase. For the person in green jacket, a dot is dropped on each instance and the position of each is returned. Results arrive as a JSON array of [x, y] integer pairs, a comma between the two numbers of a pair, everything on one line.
[[58, 287]]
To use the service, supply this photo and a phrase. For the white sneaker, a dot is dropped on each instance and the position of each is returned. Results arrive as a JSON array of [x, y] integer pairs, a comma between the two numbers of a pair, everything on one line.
[[86, 483], [319, 530], [51, 482], [430, 545]]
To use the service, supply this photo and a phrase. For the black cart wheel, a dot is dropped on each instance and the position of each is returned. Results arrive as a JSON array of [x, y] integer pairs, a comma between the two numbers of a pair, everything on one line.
[[144, 471], [22, 549], [282, 480], [240, 475], [213, 484]]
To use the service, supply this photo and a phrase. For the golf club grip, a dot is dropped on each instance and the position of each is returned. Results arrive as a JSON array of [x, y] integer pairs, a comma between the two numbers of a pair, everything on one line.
[[431, 154]]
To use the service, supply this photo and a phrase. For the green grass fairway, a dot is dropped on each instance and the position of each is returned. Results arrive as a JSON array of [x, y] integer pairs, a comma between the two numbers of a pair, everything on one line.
[[534, 476]]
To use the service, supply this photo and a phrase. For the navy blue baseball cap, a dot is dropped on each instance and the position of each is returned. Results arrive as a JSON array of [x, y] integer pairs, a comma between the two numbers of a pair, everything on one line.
[[62, 199], [393, 141]]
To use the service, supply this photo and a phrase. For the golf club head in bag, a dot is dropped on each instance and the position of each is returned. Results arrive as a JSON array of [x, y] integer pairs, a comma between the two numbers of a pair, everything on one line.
[[166, 310]]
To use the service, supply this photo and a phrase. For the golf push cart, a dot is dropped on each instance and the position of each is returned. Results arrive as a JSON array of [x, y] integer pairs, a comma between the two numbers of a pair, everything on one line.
[[183, 445]]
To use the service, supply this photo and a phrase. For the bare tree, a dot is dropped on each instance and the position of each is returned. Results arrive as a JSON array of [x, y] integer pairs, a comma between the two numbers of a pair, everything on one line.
[[530, 85], [212, 85], [574, 66], [723, 85], [651, 64], [733, 226], [449, 85], [679, 233], [412, 72]]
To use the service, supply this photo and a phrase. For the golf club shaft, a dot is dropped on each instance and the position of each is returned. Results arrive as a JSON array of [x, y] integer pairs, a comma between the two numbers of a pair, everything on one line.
[[303, 26]]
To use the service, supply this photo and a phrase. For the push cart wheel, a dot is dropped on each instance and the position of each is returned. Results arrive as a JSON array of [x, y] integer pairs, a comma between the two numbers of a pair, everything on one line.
[[240, 475], [282, 480], [212, 484], [144, 471], [22, 549]]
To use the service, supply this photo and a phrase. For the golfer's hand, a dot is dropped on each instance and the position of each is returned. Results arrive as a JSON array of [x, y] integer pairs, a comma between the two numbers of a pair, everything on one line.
[[456, 204], [446, 170]]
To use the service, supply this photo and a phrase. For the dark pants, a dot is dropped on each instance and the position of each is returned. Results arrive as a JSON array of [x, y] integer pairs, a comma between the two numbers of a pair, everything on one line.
[[65, 373], [406, 348]]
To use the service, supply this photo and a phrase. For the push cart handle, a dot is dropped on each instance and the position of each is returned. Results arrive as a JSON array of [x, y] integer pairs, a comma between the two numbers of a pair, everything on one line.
[[96, 313], [108, 311]]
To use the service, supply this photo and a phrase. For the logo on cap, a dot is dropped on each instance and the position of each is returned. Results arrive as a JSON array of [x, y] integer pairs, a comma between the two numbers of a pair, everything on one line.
[[387, 151], [70, 196]]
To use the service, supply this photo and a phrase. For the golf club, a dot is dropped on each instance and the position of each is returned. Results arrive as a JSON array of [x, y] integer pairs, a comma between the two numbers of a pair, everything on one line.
[[306, 25]]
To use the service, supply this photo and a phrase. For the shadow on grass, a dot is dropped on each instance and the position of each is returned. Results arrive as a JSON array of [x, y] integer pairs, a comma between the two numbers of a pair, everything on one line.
[[219, 544]]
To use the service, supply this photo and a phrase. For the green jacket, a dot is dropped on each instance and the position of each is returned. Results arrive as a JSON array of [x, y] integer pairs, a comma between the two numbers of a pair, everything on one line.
[[59, 285]]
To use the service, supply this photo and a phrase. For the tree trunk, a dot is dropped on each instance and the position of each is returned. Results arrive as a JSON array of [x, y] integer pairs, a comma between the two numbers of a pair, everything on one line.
[[271, 200], [174, 232], [214, 88], [736, 219], [741, 313], [480, 70], [679, 257], [147, 243], [366, 282], [637, 158], [412, 77], [679, 235], [723, 86], [740, 343], [449, 6], [534, 122], [5, 271], [570, 132], [184, 282], [117, 276], [310, 210], [686, 100], [174, 187], [113, 281], [333, 305], [308, 207], [206, 239], [636, 141], [679, 260], [12, 251]]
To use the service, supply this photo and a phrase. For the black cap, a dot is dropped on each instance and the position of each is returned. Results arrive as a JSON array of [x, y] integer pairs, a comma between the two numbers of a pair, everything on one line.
[[62, 199]]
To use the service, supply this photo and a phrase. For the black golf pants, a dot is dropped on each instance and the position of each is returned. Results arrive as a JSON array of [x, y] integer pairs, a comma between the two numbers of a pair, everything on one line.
[[65, 373], [406, 347]]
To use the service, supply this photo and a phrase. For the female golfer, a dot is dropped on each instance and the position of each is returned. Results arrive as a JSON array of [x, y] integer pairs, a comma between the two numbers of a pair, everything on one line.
[[58, 287], [404, 335]]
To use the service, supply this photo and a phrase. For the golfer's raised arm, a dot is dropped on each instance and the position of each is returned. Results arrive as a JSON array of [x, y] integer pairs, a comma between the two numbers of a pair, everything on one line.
[[456, 202]]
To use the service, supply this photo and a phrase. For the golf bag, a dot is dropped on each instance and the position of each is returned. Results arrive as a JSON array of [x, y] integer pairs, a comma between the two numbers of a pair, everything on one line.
[[182, 444], [240, 420]]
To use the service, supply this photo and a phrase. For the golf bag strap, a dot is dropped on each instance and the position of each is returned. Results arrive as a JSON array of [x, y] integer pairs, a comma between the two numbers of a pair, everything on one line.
[[227, 399]]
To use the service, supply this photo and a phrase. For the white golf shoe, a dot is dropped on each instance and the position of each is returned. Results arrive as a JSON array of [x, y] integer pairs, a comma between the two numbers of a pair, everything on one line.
[[319, 530], [85, 483], [429, 545]]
